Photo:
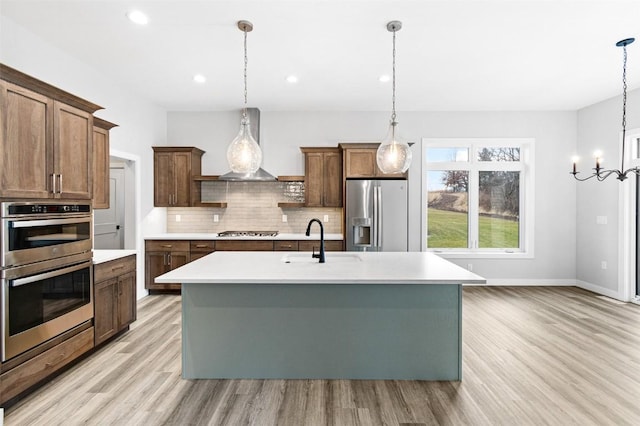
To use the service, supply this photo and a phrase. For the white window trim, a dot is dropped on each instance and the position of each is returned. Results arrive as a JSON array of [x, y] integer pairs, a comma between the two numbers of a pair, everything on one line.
[[627, 222], [527, 195]]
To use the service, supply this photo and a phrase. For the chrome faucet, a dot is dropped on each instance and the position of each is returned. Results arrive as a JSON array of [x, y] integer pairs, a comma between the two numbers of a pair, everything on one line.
[[321, 254]]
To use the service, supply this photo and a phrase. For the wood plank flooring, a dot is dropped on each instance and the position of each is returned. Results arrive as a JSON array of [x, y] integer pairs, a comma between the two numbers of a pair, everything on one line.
[[532, 356]]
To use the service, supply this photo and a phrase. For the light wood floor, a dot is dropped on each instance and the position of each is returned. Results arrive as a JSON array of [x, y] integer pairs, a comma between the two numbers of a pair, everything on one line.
[[537, 356]]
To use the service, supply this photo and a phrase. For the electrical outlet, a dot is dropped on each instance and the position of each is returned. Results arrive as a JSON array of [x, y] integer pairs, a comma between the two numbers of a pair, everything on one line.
[[178, 218], [470, 266], [603, 264], [326, 218], [284, 218], [216, 218]]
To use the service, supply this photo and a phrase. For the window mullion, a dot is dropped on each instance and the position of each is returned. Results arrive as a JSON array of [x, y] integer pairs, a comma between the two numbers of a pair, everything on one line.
[[473, 207]]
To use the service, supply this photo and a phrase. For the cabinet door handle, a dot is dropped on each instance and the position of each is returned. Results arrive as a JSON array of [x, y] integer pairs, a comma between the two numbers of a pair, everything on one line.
[[115, 268], [60, 184], [166, 245], [169, 259], [53, 183], [201, 246]]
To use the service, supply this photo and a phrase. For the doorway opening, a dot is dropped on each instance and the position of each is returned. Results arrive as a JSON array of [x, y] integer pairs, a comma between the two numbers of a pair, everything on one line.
[[114, 228]]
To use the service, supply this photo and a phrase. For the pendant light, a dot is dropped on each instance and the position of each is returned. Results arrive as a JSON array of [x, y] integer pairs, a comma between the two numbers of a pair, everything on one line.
[[244, 154], [394, 154], [621, 174]]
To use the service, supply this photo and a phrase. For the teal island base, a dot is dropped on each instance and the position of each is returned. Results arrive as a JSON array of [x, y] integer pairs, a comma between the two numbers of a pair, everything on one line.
[[322, 331]]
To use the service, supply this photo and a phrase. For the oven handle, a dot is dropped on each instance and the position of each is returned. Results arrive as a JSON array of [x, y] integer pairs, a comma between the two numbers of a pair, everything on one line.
[[45, 222], [28, 280]]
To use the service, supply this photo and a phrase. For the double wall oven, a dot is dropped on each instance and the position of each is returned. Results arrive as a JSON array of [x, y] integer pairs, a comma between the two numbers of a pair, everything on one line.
[[46, 272]]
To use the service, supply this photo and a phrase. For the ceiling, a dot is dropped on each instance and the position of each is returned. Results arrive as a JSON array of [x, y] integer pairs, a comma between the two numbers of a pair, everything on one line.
[[455, 55]]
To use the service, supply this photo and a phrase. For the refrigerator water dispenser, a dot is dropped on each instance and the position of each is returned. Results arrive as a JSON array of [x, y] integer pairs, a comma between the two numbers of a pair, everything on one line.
[[361, 231]]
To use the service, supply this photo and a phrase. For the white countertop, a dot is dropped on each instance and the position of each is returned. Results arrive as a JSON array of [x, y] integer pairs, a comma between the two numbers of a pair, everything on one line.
[[101, 256], [214, 236], [340, 268]]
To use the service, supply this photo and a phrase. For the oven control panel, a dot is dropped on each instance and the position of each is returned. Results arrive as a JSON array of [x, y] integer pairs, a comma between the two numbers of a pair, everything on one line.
[[36, 209]]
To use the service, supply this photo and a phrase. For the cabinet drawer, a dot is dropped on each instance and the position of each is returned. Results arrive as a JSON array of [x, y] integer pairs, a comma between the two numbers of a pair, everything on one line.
[[331, 245], [166, 245], [113, 268], [285, 245], [237, 245], [202, 246], [27, 374]]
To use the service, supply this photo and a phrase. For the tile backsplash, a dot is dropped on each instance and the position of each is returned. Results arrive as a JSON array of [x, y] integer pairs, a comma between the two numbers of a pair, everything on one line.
[[251, 206]]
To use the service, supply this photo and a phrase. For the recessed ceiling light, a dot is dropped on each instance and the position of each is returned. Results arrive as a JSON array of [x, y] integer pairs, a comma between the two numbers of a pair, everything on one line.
[[292, 79], [138, 17], [384, 78], [199, 78]]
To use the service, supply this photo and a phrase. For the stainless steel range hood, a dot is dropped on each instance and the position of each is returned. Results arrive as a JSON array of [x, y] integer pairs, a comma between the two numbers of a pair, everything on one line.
[[259, 175]]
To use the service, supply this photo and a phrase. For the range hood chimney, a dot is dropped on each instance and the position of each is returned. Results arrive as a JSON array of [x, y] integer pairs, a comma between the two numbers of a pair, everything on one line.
[[259, 175]]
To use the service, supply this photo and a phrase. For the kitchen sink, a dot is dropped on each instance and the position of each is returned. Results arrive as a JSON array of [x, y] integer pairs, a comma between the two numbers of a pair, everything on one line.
[[330, 258]]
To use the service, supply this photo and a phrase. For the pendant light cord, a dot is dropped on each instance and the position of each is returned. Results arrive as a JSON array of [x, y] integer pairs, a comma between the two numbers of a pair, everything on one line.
[[624, 105], [246, 61], [393, 97]]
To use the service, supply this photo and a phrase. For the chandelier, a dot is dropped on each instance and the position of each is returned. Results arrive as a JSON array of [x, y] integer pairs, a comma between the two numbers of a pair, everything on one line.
[[621, 174]]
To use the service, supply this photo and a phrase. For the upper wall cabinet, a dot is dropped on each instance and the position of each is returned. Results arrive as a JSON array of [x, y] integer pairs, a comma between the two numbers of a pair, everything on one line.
[[360, 162], [322, 177], [46, 140], [101, 183], [173, 171]]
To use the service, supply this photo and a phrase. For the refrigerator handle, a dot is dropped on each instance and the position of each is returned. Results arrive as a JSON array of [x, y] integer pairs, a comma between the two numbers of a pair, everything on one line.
[[374, 227], [379, 217]]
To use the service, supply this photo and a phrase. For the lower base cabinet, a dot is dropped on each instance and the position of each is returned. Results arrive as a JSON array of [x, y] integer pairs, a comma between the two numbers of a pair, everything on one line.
[[34, 370], [114, 297], [162, 256]]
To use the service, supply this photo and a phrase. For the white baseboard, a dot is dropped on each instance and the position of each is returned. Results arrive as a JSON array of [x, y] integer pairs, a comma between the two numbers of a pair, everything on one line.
[[527, 282], [600, 290]]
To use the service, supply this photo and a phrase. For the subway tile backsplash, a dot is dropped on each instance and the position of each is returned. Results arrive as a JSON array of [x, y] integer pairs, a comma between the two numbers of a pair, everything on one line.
[[251, 206]]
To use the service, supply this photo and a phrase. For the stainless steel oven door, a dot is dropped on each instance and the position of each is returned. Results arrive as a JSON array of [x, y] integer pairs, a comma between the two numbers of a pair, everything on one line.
[[41, 301], [29, 240]]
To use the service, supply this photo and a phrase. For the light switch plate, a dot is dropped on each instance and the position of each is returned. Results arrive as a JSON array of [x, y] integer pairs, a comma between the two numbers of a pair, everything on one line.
[[326, 218], [284, 218]]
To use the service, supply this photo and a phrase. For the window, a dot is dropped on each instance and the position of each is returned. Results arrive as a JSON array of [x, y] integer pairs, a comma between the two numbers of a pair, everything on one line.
[[479, 198]]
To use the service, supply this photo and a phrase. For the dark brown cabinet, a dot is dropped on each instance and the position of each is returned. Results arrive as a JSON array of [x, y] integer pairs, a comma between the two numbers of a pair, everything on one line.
[[244, 245], [114, 297], [162, 256], [330, 245], [198, 249], [46, 140], [322, 177], [173, 171], [360, 162], [101, 163]]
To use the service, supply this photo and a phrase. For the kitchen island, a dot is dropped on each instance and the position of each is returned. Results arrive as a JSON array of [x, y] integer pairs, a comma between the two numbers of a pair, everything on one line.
[[357, 316]]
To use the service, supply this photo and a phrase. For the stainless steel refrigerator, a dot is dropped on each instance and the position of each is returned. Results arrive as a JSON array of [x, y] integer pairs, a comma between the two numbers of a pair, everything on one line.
[[376, 215]]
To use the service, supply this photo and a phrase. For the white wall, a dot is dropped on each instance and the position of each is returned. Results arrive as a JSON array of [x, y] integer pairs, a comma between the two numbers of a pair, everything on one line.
[[599, 128], [282, 133], [141, 124]]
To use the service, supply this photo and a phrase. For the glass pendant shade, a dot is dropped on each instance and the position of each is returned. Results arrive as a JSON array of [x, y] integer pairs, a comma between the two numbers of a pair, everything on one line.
[[394, 154], [244, 154]]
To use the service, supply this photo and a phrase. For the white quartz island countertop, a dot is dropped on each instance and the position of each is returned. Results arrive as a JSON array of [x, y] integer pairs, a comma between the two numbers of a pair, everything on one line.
[[340, 268]]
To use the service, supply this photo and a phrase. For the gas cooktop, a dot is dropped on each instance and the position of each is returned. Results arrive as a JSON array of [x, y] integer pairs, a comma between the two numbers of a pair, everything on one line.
[[247, 234]]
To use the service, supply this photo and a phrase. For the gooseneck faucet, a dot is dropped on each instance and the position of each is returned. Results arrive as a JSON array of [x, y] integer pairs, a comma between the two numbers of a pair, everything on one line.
[[321, 254]]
